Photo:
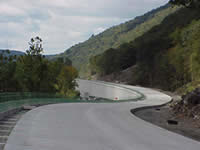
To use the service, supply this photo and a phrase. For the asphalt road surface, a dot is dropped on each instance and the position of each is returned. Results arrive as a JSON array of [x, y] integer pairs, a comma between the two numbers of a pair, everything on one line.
[[92, 126]]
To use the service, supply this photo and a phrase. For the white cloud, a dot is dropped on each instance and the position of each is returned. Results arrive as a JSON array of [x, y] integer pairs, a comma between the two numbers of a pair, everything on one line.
[[62, 23], [9, 10]]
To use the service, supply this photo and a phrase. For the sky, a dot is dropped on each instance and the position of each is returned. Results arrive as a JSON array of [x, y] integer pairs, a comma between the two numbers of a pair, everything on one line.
[[63, 23]]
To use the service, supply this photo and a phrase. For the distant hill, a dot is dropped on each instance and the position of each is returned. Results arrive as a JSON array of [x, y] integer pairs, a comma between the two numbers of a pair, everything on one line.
[[114, 37], [19, 53], [12, 52]]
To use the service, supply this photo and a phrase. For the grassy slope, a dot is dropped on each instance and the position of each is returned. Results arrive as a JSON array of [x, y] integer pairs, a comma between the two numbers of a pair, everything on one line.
[[185, 54], [168, 54], [115, 36]]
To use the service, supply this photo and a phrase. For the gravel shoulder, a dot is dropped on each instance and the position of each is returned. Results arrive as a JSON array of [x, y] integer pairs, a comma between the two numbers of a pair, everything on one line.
[[160, 115]]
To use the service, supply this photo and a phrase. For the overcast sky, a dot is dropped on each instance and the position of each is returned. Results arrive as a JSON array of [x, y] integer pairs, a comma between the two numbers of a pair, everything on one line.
[[63, 23]]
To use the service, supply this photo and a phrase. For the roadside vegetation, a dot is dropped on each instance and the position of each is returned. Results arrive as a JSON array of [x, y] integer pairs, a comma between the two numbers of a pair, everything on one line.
[[32, 72], [166, 57]]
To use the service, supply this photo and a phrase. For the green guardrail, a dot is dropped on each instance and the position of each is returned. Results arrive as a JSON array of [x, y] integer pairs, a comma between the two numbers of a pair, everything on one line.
[[5, 97], [10, 101], [16, 99], [5, 106]]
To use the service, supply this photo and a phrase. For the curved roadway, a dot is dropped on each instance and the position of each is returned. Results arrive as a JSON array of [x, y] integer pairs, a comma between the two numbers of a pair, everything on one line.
[[90, 126]]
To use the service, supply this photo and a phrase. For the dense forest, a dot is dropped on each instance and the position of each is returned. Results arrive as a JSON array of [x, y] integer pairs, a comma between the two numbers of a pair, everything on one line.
[[114, 37], [167, 56], [32, 72]]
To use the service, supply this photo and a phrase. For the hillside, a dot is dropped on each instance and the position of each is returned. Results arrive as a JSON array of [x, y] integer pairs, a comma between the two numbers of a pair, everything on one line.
[[12, 52], [114, 37], [166, 57]]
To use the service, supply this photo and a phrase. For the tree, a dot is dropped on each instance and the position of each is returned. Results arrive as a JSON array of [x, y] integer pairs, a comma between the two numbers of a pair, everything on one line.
[[33, 73], [7, 70], [35, 48], [1, 58], [66, 80], [187, 3], [31, 68], [64, 60]]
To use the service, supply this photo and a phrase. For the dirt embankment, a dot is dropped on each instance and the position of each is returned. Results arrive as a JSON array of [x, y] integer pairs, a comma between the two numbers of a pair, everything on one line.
[[180, 116], [124, 76]]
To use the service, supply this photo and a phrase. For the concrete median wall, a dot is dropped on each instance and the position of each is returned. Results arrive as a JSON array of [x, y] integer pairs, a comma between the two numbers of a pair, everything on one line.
[[105, 90]]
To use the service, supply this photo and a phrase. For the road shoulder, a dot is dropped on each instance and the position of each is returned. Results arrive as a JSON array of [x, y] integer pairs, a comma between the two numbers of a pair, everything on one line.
[[160, 116]]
